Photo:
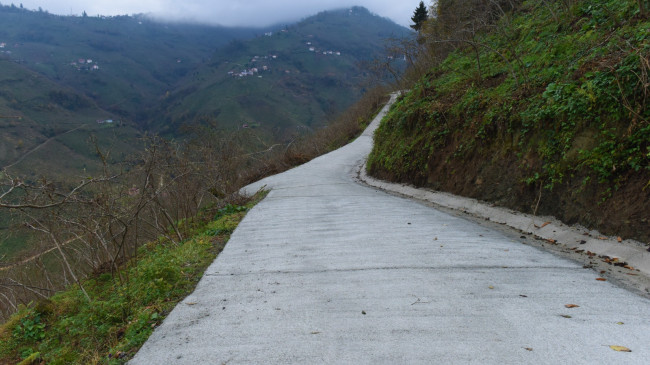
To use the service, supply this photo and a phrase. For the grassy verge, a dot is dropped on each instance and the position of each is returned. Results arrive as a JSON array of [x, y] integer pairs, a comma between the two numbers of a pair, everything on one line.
[[125, 306], [549, 115]]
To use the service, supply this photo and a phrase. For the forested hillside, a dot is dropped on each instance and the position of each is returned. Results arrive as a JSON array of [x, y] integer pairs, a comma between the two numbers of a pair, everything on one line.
[[541, 106], [170, 79], [286, 82], [124, 63]]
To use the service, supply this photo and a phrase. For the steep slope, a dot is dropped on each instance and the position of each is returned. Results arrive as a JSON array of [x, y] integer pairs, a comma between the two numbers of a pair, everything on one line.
[[551, 119], [45, 132], [125, 63], [285, 80], [44, 124]]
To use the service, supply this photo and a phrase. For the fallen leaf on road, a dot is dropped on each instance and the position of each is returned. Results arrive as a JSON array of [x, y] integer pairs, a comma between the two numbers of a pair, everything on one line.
[[565, 316], [490, 287], [315, 332], [528, 348], [550, 240], [620, 323], [619, 348], [190, 303], [601, 279], [619, 239], [545, 224], [571, 305], [602, 238]]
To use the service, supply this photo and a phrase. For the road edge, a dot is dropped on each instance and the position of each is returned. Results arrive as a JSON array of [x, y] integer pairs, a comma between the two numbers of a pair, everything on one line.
[[627, 262]]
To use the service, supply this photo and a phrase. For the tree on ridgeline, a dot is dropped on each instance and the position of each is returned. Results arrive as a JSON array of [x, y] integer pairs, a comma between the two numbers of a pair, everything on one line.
[[420, 15]]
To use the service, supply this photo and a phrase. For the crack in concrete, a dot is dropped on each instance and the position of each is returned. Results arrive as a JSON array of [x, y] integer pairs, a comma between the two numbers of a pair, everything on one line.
[[422, 268]]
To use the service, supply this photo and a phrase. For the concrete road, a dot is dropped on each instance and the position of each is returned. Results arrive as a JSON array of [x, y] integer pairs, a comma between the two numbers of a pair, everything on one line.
[[326, 270]]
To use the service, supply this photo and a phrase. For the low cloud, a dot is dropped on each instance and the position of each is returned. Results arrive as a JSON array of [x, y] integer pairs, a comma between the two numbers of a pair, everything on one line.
[[224, 12]]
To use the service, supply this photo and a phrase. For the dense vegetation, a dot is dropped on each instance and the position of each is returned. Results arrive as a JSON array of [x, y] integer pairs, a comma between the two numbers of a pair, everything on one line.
[[537, 105], [108, 321]]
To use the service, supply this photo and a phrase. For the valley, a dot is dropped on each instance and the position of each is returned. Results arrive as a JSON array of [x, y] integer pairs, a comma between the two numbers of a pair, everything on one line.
[[62, 78]]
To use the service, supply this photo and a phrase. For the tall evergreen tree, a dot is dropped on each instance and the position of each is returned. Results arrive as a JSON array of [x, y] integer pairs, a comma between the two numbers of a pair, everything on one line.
[[420, 15]]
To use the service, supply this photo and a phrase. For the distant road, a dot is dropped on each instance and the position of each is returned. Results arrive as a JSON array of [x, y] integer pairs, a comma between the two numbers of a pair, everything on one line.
[[39, 146], [327, 271]]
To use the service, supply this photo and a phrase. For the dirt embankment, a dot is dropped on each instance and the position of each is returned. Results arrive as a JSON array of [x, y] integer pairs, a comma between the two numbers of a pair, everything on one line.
[[497, 179]]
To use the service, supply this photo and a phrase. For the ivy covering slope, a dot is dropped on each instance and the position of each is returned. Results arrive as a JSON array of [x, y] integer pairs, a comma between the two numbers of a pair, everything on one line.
[[545, 111]]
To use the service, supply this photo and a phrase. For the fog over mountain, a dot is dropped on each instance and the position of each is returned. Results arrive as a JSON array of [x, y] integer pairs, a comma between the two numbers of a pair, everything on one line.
[[223, 12]]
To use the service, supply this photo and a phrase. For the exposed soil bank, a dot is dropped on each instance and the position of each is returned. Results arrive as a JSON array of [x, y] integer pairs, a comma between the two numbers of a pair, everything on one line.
[[496, 179], [625, 262]]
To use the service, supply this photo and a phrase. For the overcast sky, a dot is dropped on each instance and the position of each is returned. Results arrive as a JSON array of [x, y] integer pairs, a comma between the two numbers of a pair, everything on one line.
[[224, 12]]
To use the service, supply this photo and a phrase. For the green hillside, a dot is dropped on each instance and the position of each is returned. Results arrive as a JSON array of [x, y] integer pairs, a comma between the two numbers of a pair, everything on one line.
[[163, 76], [542, 107], [60, 75], [115, 313], [45, 131], [124, 63], [285, 80], [42, 122]]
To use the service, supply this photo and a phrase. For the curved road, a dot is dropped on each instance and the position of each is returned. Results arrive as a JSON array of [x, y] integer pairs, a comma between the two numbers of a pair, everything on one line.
[[325, 270]]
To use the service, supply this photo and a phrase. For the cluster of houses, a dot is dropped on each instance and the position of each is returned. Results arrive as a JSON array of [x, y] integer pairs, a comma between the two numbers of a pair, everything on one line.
[[327, 53], [85, 64], [260, 59], [3, 45], [248, 72], [253, 70]]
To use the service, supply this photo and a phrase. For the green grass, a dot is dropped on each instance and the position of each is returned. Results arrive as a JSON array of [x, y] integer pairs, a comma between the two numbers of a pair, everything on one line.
[[125, 307], [570, 129], [573, 79]]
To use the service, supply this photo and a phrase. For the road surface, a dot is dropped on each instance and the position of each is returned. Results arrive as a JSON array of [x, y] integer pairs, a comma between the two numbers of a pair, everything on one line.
[[326, 270]]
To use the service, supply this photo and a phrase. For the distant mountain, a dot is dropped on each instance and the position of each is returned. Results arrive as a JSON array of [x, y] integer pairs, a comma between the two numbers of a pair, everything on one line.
[[124, 63], [60, 75], [284, 80]]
